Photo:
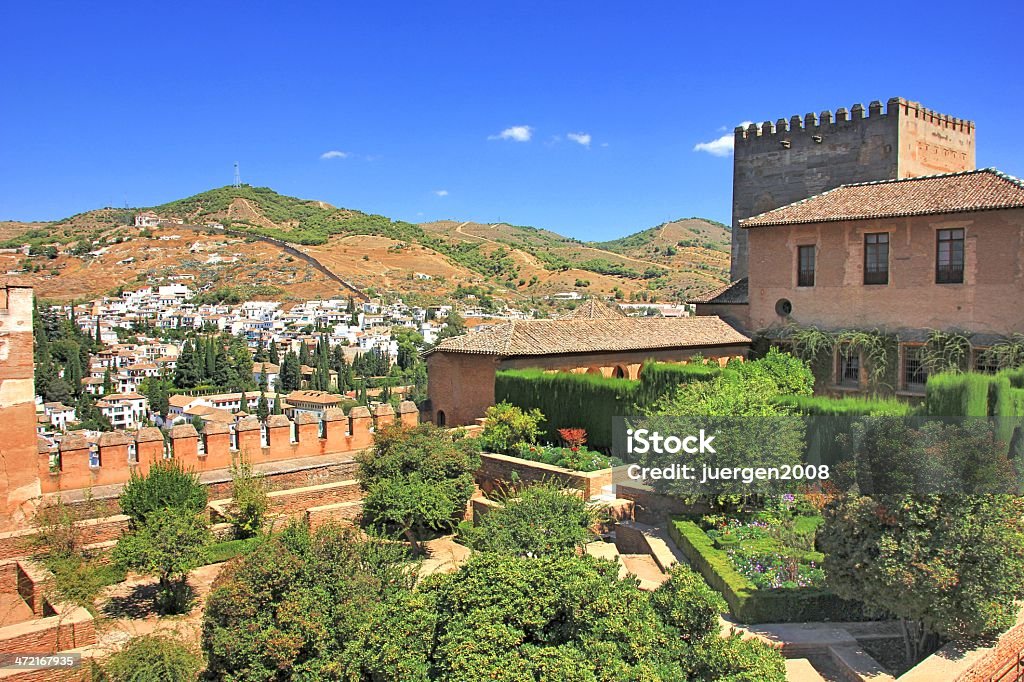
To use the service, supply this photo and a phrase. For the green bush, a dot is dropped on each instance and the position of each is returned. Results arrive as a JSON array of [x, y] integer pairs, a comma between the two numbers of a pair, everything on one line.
[[153, 657], [747, 603], [509, 426], [166, 486], [219, 552], [658, 378]]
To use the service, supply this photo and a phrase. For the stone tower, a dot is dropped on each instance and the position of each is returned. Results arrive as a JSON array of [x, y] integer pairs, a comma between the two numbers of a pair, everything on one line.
[[19, 477], [777, 164]]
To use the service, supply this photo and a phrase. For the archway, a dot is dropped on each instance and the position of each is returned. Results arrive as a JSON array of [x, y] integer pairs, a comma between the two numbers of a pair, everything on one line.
[[619, 372], [440, 419]]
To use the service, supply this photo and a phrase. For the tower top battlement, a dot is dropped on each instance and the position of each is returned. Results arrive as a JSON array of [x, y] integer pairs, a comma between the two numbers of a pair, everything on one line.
[[816, 123]]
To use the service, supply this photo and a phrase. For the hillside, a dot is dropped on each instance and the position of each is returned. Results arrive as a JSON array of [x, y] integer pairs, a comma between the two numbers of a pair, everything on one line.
[[95, 252]]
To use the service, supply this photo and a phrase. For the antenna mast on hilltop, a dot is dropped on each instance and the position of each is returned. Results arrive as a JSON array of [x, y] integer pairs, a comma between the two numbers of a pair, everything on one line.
[[238, 176]]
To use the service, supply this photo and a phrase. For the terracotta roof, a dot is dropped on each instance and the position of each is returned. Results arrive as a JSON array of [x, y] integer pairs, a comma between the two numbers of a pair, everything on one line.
[[124, 396], [978, 190], [554, 337], [594, 309], [320, 397], [181, 400], [734, 292]]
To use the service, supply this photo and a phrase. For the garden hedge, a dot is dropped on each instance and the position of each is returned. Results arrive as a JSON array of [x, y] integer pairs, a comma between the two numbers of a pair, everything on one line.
[[589, 401], [747, 603]]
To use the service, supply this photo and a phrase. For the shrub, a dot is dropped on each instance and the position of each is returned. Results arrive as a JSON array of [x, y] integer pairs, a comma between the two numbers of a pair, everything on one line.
[[959, 395], [689, 604], [166, 486], [153, 657], [508, 426], [250, 501], [820, 406], [538, 520], [417, 480]]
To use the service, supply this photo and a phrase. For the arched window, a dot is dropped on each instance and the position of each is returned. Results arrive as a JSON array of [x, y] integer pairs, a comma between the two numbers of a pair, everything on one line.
[[440, 418], [620, 372]]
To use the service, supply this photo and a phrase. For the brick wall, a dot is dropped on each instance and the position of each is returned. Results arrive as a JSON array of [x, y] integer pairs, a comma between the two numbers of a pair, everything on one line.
[[281, 440], [994, 249]]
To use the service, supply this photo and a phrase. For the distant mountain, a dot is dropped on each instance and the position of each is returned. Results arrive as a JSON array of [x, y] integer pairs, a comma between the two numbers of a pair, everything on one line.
[[427, 262]]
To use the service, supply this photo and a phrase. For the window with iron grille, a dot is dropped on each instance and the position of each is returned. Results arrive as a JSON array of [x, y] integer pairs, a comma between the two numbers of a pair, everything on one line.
[[949, 256], [805, 267], [849, 368], [876, 258], [915, 375], [984, 362]]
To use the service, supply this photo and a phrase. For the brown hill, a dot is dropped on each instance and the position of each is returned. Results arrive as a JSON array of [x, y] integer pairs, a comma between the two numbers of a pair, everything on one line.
[[95, 252]]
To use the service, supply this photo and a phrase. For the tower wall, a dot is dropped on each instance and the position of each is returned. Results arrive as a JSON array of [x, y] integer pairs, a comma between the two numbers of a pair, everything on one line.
[[19, 478], [778, 163]]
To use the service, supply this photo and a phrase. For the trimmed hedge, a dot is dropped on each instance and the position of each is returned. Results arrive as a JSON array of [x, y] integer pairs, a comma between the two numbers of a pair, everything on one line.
[[658, 378], [818, 406], [746, 602], [959, 395], [587, 401]]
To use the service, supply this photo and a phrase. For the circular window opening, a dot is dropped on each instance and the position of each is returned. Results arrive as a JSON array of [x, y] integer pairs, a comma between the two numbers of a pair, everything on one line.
[[783, 307]]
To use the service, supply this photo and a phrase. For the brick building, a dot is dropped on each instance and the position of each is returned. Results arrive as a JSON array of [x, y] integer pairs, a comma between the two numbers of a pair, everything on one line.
[[595, 339], [908, 256]]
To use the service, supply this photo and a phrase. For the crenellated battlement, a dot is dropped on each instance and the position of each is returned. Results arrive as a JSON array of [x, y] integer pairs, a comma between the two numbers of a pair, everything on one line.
[[77, 464], [826, 120]]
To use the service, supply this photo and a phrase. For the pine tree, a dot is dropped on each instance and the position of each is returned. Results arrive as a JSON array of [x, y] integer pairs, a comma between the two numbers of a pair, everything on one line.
[[210, 355], [275, 358], [262, 410], [277, 404], [108, 382], [291, 375], [303, 354], [261, 351]]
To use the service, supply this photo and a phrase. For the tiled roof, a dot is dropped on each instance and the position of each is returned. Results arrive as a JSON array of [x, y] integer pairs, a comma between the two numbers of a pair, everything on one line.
[[319, 397], [553, 337], [734, 292], [978, 190], [594, 309]]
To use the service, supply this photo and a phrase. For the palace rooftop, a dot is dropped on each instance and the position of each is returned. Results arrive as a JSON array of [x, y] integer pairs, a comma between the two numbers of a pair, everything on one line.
[[985, 189]]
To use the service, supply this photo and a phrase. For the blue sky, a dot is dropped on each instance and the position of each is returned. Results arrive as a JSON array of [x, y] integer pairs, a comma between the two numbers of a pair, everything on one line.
[[577, 116]]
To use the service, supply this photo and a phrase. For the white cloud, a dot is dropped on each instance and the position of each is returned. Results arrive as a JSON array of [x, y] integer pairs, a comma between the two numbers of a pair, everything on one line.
[[721, 146], [515, 133], [441, 192], [334, 154], [580, 138]]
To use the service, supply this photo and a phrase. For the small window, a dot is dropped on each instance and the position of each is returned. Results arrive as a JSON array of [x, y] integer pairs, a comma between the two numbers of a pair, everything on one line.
[[440, 418], [805, 266], [915, 374], [876, 258], [949, 256], [848, 371]]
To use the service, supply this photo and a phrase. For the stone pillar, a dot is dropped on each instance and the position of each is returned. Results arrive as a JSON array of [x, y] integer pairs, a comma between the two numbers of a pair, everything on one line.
[[250, 443], [309, 435], [74, 462], [279, 433], [383, 415], [408, 414], [336, 424], [114, 466], [218, 446], [149, 449], [360, 423], [185, 446], [49, 480]]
